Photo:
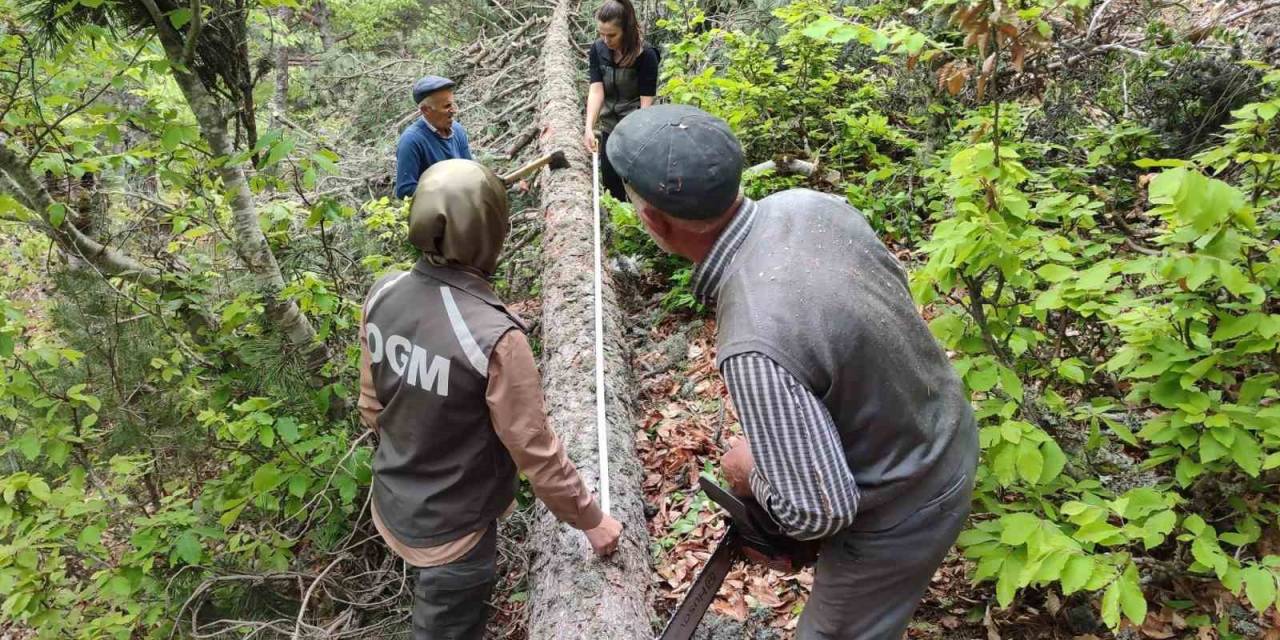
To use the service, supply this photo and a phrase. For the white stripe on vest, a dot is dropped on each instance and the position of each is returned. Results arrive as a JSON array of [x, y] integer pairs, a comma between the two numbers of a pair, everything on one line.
[[377, 294], [469, 346]]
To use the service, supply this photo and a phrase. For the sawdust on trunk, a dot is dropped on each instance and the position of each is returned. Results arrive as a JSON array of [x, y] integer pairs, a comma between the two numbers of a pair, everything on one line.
[[573, 594]]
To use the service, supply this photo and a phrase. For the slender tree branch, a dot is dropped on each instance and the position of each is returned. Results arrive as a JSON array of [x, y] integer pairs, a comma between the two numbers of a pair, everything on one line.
[[52, 128], [66, 235], [1097, 15], [17, 86], [193, 33], [142, 196], [302, 609], [974, 285], [13, 219], [169, 38]]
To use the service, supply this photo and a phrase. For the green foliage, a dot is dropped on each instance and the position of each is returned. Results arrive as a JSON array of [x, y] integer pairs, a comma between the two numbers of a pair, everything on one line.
[[1104, 275], [388, 23], [1181, 332], [125, 522], [791, 97], [630, 241], [155, 438]]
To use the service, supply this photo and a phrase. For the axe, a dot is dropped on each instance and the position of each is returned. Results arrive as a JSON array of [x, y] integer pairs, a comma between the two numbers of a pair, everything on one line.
[[555, 159]]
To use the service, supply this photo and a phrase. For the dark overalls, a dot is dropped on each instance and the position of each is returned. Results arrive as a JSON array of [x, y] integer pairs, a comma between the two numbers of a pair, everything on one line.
[[621, 97]]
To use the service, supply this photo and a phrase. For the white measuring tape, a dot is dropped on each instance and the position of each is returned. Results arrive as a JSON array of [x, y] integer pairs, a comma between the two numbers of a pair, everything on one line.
[[602, 425]]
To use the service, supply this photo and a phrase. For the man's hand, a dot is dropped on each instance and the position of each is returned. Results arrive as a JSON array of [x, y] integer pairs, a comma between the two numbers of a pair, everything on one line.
[[604, 538], [589, 141], [737, 464]]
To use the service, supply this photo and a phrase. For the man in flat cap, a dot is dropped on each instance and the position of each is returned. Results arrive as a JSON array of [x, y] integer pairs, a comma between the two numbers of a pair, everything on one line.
[[448, 380], [434, 137], [859, 432]]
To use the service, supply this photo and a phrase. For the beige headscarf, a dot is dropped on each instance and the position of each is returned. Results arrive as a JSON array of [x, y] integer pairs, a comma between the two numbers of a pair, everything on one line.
[[459, 215]]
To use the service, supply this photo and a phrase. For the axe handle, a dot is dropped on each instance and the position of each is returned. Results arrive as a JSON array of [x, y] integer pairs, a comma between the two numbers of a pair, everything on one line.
[[527, 169]]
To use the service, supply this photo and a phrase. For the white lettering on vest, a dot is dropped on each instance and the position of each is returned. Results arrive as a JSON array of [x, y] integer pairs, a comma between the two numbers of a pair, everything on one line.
[[402, 354], [398, 353], [374, 335], [437, 376]]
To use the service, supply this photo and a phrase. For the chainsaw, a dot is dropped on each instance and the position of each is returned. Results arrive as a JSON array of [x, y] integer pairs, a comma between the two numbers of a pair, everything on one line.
[[751, 533]]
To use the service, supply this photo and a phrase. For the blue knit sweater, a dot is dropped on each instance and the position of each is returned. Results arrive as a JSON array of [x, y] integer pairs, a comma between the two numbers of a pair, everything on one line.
[[420, 147]]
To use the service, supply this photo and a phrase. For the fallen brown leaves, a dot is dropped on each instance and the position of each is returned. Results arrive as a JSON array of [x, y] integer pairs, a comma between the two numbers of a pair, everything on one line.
[[688, 417]]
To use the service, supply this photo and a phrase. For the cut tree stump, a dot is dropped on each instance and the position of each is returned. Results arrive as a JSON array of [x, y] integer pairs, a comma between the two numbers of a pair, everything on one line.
[[572, 593]]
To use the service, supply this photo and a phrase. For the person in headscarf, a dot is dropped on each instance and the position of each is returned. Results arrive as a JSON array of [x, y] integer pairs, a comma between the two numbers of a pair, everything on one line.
[[448, 381]]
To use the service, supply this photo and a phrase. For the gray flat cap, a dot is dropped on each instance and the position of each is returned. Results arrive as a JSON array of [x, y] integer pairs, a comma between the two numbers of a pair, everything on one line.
[[428, 85], [680, 159]]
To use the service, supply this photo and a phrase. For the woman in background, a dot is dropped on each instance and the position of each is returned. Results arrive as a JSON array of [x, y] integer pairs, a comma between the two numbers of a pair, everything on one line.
[[624, 77]]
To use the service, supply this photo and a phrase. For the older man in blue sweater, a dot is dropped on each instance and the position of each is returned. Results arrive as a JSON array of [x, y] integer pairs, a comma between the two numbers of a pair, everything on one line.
[[434, 137]]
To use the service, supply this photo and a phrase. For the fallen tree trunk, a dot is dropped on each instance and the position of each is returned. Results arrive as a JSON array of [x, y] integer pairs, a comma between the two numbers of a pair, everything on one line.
[[572, 594]]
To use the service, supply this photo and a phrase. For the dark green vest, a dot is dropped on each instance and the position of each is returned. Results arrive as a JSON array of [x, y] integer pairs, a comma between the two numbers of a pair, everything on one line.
[[621, 90], [440, 471]]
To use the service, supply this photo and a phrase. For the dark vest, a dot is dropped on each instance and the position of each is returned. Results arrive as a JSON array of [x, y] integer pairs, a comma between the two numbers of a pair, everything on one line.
[[621, 89], [813, 288], [440, 471]]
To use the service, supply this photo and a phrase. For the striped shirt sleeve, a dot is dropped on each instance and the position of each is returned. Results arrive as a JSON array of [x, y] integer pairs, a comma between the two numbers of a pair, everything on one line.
[[801, 475]]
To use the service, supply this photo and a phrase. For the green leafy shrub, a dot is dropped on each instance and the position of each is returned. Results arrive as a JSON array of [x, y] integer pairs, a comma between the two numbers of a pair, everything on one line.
[[791, 97], [1180, 332], [630, 241]]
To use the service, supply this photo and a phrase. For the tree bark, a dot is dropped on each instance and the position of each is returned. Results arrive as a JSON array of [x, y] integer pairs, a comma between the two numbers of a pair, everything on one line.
[[320, 18], [280, 101], [573, 594], [250, 242]]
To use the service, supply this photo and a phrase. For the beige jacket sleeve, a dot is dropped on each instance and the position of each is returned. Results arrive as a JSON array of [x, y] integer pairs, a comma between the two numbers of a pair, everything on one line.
[[368, 402], [520, 420]]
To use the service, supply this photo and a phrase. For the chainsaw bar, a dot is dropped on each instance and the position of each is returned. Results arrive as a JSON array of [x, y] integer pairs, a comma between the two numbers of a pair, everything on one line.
[[704, 588], [750, 527]]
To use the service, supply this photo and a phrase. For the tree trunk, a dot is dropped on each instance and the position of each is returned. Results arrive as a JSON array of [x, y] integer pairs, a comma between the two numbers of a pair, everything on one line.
[[320, 18], [280, 101], [572, 594], [250, 242]]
